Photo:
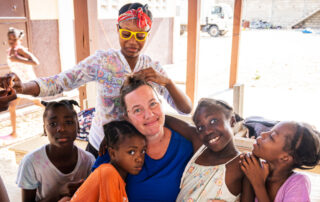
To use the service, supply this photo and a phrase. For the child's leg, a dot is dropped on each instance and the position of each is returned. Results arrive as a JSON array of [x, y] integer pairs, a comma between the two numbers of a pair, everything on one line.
[[37, 102], [13, 116]]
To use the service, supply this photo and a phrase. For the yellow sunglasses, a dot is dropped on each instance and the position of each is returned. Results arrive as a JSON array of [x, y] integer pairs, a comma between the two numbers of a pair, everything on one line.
[[127, 34]]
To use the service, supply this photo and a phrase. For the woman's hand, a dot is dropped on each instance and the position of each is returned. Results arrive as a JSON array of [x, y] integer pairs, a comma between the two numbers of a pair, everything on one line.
[[103, 146], [150, 74], [256, 173]]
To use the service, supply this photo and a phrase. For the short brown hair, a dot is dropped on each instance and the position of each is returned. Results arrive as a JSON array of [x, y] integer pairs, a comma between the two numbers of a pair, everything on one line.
[[130, 84]]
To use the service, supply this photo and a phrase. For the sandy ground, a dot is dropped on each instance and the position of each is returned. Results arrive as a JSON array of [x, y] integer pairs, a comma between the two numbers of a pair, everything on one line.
[[279, 68]]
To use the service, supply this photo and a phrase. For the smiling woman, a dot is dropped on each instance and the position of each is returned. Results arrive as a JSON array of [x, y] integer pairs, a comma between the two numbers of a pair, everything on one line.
[[167, 151]]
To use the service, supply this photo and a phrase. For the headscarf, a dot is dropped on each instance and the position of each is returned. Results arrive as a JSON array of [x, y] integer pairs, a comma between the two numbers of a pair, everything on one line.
[[142, 18]]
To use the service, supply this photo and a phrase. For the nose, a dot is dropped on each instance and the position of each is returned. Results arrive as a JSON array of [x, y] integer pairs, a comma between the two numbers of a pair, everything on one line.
[[132, 40], [139, 158], [264, 134], [148, 113], [60, 127]]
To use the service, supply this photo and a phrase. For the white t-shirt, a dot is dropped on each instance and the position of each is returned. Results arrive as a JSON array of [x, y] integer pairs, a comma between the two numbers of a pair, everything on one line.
[[36, 171]]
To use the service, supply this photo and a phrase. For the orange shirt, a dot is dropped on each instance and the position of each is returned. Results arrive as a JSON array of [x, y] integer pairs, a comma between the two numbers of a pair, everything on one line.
[[103, 185]]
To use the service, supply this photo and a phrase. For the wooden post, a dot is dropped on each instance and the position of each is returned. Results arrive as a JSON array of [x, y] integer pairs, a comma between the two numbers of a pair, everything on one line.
[[81, 22], [238, 92], [194, 7], [235, 42]]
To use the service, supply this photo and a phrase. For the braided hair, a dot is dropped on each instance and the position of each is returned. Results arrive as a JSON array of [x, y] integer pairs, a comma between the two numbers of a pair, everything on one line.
[[116, 131], [304, 146], [66, 103]]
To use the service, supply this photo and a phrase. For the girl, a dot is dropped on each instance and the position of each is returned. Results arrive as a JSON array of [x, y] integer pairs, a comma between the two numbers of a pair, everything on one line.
[[287, 146], [108, 69], [126, 147], [56, 169], [213, 173], [20, 61]]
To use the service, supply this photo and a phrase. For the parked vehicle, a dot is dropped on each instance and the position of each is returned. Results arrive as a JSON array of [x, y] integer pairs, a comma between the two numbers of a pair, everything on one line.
[[216, 19]]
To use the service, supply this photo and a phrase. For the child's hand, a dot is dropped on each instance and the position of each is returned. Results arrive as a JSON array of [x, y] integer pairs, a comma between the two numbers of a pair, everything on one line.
[[14, 58], [256, 173], [65, 199], [151, 74], [70, 188], [10, 81]]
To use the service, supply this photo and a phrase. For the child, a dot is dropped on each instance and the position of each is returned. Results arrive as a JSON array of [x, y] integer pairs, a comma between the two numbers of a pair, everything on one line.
[[20, 61], [287, 146], [58, 168], [213, 173], [126, 147]]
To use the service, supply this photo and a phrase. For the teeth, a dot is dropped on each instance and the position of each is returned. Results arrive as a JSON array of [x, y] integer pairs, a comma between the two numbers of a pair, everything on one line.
[[214, 140]]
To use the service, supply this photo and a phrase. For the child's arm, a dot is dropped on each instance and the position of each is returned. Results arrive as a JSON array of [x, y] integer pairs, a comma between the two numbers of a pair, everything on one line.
[[25, 57], [257, 175], [186, 130], [181, 100], [29, 195], [3, 192], [247, 193]]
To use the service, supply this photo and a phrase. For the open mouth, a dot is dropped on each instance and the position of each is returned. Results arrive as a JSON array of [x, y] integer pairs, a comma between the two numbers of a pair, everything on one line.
[[214, 140]]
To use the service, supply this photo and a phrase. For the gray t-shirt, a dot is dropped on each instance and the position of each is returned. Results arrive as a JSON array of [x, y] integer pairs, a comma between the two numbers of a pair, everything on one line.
[[36, 171]]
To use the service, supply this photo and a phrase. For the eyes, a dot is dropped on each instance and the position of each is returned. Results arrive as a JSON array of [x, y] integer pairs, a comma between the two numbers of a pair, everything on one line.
[[201, 128], [137, 111], [133, 152], [54, 124]]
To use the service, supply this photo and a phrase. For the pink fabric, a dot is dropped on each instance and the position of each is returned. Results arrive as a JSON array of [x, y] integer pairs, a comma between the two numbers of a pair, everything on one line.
[[295, 188]]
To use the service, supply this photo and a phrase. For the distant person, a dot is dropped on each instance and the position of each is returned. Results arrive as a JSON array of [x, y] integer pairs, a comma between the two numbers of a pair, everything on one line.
[[58, 168], [21, 62], [213, 173], [289, 145], [126, 148], [108, 69]]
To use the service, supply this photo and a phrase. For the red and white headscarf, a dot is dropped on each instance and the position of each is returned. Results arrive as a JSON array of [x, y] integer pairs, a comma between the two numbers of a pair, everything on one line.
[[142, 18]]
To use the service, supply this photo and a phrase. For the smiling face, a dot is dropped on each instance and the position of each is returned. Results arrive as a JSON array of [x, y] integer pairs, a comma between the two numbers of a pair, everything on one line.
[[128, 155], [270, 145], [13, 41], [131, 47], [214, 128], [144, 111], [61, 126]]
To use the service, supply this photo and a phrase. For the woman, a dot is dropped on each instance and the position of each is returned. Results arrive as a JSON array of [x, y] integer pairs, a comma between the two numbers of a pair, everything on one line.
[[167, 151], [108, 69]]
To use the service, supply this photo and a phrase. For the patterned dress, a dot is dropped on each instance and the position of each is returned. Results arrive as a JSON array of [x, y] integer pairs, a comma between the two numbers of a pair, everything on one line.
[[205, 183]]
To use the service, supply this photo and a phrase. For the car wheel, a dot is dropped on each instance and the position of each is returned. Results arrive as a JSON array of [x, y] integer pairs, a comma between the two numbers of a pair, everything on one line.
[[214, 31]]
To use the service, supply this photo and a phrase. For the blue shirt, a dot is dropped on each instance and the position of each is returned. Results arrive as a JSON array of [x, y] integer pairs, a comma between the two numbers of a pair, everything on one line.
[[159, 180]]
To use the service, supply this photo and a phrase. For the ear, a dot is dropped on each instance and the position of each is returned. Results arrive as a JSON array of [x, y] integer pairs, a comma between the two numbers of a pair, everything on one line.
[[111, 152], [125, 116], [117, 25], [232, 121], [44, 130], [286, 158]]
